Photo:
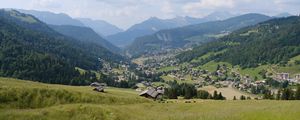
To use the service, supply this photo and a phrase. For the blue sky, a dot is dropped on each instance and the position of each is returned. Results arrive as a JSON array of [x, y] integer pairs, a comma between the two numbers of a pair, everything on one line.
[[125, 13]]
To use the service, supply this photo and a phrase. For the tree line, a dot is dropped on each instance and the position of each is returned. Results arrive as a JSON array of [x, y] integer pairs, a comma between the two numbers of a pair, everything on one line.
[[283, 94], [188, 91]]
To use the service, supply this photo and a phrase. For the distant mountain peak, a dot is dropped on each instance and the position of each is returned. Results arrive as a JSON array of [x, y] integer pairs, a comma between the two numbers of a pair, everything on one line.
[[284, 14], [102, 27], [219, 15], [22, 17], [53, 18], [154, 24], [154, 18]]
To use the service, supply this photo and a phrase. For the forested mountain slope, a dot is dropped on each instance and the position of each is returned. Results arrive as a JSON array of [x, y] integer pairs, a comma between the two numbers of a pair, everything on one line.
[[271, 42], [86, 35], [53, 18], [31, 50]]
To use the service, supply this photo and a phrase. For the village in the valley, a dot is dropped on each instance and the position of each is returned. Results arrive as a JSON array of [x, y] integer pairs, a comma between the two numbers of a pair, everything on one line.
[[223, 78]]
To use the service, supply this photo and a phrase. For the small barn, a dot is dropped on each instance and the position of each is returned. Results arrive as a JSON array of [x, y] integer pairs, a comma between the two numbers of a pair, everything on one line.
[[152, 93], [99, 87]]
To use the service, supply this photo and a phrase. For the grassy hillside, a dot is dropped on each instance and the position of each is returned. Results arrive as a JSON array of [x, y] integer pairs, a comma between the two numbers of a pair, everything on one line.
[[31, 101], [25, 94], [292, 67]]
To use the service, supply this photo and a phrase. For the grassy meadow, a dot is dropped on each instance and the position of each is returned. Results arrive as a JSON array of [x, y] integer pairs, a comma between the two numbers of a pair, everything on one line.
[[25, 100]]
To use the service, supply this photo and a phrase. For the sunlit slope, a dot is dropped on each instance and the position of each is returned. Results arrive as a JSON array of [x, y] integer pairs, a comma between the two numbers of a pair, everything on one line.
[[25, 94]]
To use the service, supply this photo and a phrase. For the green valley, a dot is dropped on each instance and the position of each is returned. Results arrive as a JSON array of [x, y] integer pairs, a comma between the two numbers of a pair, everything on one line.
[[149, 60]]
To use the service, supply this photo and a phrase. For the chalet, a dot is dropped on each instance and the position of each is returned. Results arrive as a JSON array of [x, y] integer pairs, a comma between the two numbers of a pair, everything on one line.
[[261, 82], [247, 80], [224, 83], [297, 77], [242, 87], [120, 78], [219, 73], [153, 93], [282, 76], [99, 89]]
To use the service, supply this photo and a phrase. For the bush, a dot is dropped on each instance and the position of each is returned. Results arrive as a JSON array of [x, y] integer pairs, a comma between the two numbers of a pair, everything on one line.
[[202, 94]]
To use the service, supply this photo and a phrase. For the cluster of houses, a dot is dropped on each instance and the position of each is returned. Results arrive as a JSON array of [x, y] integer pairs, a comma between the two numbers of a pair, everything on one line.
[[182, 72], [126, 75], [121, 74], [106, 67], [155, 62], [247, 83], [287, 77], [246, 86]]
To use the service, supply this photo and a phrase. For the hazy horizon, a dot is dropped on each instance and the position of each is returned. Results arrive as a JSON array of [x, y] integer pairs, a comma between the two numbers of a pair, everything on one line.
[[125, 13]]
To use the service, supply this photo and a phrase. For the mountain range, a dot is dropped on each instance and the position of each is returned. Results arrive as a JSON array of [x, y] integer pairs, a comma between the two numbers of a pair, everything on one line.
[[154, 24], [285, 14], [192, 35], [53, 18], [101, 27]]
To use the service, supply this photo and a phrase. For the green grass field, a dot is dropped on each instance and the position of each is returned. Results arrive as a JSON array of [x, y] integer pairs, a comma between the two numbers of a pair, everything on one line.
[[252, 72], [82, 71], [24, 100], [207, 55], [169, 68], [291, 67], [212, 65]]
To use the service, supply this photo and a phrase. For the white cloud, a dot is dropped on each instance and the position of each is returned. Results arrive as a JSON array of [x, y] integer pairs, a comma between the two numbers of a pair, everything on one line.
[[46, 4], [203, 7], [167, 7], [125, 13]]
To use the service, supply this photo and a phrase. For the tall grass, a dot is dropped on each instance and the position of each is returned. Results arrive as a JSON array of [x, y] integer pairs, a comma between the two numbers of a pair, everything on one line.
[[23, 100], [205, 110], [37, 95]]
